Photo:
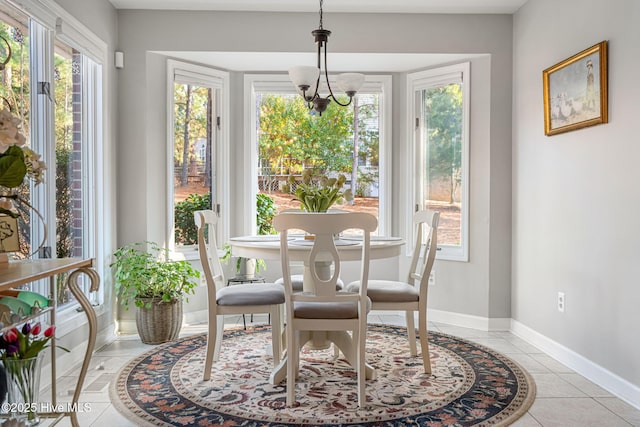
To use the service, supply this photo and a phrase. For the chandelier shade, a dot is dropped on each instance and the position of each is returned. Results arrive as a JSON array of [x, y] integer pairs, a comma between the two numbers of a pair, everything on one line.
[[307, 78]]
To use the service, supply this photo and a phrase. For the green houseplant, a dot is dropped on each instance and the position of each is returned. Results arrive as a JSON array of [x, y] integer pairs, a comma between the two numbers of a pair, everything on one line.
[[145, 275], [318, 194]]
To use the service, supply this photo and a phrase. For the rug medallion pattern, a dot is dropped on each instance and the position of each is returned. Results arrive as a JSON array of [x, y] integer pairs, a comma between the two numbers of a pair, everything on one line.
[[470, 385]]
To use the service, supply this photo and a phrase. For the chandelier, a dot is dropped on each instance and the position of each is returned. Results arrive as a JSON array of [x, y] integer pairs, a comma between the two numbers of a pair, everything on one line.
[[307, 78]]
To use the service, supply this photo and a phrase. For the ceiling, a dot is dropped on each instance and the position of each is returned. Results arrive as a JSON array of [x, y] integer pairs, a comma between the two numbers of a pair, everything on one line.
[[338, 62], [358, 6]]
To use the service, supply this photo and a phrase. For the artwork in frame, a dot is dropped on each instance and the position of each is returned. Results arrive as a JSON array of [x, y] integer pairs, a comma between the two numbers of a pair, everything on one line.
[[575, 91]]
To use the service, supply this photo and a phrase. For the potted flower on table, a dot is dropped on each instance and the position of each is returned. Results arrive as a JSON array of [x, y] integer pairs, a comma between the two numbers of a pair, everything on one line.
[[318, 194]]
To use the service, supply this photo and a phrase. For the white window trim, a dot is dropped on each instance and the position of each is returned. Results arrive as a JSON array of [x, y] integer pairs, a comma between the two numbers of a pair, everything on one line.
[[416, 82], [280, 83], [184, 72], [55, 22]]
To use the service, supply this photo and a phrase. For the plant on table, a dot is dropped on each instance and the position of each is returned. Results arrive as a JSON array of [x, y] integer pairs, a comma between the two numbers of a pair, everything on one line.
[[318, 194]]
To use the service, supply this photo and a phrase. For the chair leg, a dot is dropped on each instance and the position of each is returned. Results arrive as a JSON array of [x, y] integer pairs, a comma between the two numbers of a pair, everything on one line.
[[219, 335], [212, 341], [359, 337], [411, 333], [276, 334], [424, 341], [292, 362]]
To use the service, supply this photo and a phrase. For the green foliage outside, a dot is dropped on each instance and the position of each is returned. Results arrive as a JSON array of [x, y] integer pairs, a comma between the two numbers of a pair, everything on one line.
[[290, 138], [186, 232], [443, 108], [266, 210]]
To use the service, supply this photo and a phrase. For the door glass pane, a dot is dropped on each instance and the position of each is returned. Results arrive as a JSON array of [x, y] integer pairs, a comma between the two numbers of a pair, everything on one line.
[[192, 157], [442, 109], [343, 141]]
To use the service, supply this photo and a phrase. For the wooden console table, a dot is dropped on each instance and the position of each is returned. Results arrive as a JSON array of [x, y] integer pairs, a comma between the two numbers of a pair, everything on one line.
[[23, 272]]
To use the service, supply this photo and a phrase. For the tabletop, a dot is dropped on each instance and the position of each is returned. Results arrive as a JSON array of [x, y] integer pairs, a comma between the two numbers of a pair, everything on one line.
[[349, 247]]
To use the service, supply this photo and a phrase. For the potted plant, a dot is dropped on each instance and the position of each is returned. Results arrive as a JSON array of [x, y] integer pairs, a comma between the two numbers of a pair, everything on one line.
[[318, 194], [246, 268], [146, 275]]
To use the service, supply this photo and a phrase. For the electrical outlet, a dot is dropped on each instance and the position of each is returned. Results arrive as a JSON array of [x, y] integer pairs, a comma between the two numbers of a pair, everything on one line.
[[432, 278], [561, 302]]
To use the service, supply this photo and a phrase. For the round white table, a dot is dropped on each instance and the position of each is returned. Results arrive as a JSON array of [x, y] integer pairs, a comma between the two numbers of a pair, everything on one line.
[[349, 249]]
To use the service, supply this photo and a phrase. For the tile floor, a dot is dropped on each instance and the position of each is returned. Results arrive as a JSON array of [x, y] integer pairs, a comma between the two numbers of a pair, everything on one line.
[[564, 398]]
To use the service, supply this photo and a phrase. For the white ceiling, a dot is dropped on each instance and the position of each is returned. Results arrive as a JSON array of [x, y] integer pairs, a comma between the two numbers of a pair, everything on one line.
[[358, 6], [338, 62]]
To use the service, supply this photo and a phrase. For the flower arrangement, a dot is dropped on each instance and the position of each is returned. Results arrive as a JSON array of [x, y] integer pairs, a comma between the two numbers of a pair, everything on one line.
[[25, 343], [20, 349], [320, 193], [17, 161]]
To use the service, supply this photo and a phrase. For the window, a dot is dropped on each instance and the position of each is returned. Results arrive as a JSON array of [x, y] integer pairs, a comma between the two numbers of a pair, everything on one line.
[[59, 100], [439, 109], [197, 148], [284, 139]]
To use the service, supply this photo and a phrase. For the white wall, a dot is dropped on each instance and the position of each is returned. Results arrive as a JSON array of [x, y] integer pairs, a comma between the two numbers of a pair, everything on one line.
[[576, 195], [480, 287]]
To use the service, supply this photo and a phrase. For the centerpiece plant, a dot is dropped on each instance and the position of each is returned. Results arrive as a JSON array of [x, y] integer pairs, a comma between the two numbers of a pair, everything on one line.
[[145, 274], [318, 194]]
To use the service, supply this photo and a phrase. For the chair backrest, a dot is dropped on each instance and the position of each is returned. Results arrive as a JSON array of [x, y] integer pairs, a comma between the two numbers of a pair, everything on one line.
[[206, 221], [426, 222], [323, 227]]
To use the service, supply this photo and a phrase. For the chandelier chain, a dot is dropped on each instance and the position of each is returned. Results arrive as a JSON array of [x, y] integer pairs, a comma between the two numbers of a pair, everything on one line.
[[321, 1]]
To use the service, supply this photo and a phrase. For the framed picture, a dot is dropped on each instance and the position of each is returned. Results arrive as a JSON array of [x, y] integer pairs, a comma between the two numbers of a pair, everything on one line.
[[575, 91], [9, 234]]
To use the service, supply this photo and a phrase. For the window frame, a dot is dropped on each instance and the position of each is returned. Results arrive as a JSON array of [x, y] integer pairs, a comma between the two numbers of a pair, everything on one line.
[[218, 80], [49, 22], [280, 83], [416, 83]]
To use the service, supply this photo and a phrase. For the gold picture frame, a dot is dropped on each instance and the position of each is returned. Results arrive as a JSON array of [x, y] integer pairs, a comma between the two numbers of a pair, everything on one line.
[[9, 233], [575, 91]]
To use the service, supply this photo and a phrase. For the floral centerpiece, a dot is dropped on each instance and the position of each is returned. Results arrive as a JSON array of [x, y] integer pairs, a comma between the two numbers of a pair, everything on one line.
[[17, 161], [20, 350], [318, 194]]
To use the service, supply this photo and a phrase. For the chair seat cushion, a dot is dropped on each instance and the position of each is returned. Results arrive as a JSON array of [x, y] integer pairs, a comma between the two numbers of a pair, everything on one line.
[[297, 279], [327, 310], [387, 291], [251, 294]]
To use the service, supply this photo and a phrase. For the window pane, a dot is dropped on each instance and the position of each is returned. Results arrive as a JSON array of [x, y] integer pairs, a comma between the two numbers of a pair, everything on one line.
[[442, 108], [192, 157], [15, 92], [343, 140]]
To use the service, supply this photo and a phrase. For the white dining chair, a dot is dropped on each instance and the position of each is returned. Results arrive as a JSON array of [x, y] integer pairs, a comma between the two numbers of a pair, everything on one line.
[[411, 295], [249, 298], [322, 307]]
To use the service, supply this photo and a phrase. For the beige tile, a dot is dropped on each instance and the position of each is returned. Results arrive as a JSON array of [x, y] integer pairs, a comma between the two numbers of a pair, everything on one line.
[[529, 363], [526, 421], [589, 388], [622, 409], [551, 363], [551, 385], [497, 344], [574, 412]]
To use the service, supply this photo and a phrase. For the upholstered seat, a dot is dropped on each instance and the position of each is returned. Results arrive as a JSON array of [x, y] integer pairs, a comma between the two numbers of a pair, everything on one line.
[[320, 308], [242, 299], [250, 294], [410, 296]]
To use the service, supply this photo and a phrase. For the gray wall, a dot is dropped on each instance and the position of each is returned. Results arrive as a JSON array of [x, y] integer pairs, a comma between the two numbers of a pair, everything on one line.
[[480, 287], [575, 195]]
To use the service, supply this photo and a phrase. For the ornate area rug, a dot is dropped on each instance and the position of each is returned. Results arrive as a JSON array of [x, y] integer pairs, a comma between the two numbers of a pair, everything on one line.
[[470, 385]]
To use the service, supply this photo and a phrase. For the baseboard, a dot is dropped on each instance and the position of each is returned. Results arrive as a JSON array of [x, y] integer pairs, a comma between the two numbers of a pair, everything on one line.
[[604, 378], [469, 321]]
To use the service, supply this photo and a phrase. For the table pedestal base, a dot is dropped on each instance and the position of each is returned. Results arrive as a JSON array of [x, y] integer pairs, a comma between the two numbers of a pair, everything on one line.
[[340, 338]]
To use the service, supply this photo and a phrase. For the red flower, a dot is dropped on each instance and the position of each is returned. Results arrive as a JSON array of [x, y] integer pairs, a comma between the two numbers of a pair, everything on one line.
[[49, 331], [36, 329], [11, 336]]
